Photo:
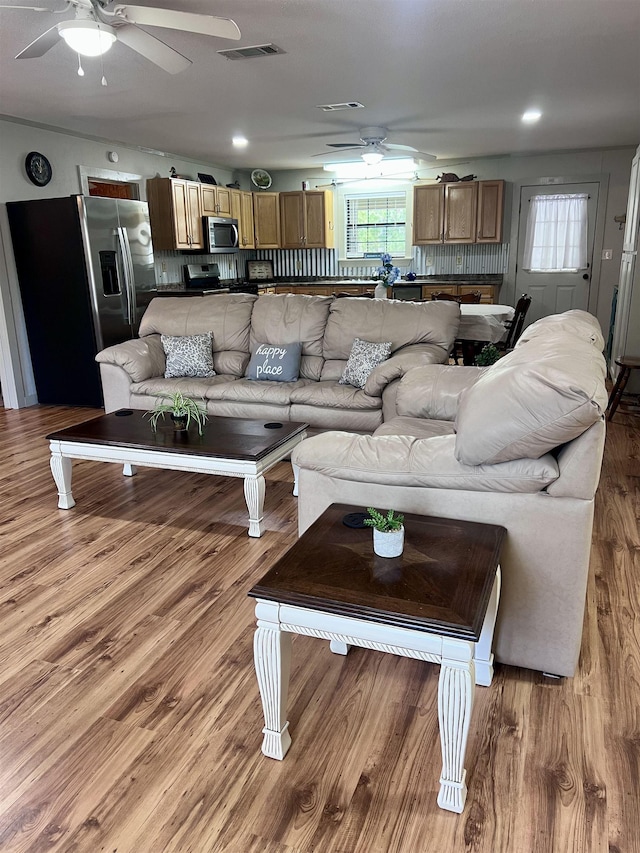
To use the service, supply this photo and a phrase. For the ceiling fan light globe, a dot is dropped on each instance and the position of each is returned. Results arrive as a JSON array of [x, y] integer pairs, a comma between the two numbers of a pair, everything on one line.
[[88, 38], [372, 158]]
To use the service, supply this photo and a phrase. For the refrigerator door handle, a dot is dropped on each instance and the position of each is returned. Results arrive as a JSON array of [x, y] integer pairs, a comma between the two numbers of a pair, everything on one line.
[[127, 268]]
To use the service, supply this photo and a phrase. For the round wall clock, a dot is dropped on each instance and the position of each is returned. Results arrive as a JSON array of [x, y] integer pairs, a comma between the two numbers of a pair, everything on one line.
[[261, 179], [38, 168]]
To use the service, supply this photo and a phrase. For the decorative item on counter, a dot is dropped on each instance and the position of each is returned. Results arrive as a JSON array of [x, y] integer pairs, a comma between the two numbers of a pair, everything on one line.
[[183, 410], [388, 532], [386, 275], [410, 276], [448, 178], [234, 186], [174, 174]]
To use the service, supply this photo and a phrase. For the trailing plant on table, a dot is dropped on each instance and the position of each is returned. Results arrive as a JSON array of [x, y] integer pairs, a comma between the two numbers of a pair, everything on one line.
[[179, 406], [384, 523]]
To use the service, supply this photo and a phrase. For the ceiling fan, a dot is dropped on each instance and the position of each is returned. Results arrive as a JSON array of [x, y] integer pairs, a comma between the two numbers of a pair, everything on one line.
[[372, 147], [97, 27]]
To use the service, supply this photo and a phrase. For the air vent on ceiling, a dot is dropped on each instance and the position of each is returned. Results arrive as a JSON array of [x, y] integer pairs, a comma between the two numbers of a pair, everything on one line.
[[349, 105], [252, 52]]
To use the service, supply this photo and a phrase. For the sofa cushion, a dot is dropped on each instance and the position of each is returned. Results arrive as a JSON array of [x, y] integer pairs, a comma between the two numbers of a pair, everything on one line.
[[406, 461], [288, 318], [275, 362], [415, 427], [364, 356], [227, 315], [575, 322], [537, 397], [188, 355], [252, 391], [402, 323], [332, 395], [433, 391], [198, 389]]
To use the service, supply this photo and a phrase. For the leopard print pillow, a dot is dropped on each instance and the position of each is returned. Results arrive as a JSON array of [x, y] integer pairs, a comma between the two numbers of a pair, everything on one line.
[[188, 355]]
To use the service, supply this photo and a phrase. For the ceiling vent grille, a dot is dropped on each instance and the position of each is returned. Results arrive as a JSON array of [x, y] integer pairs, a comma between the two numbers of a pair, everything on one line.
[[252, 52], [349, 105]]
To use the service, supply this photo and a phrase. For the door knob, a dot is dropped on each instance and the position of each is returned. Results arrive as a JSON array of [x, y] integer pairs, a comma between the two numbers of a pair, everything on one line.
[[586, 276]]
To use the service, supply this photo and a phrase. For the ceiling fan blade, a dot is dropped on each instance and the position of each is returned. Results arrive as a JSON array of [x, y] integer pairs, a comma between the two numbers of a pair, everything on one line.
[[30, 8], [41, 45], [411, 151], [340, 150], [422, 155], [344, 145], [191, 22], [153, 49]]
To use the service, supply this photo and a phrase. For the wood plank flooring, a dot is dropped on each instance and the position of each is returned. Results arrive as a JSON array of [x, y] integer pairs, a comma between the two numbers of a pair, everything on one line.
[[130, 719]]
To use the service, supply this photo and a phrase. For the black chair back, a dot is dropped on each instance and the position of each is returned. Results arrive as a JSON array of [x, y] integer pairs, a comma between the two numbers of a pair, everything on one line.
[[515, 329], [463, 299]]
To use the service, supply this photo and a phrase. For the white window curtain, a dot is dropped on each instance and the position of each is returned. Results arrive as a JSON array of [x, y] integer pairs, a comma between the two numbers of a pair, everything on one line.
[[556, 239]]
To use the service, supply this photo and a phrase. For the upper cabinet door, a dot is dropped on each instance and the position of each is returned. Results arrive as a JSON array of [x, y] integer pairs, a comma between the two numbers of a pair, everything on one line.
[[428, 214], [247, 234], [180, 215], [223, 202], [266, 214], [209, 203], [195, 215], [490, 207], [460, 212], [292, 220], [318, 207]]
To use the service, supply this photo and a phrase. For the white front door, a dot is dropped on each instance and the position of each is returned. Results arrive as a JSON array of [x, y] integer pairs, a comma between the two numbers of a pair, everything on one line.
[[554, 292]]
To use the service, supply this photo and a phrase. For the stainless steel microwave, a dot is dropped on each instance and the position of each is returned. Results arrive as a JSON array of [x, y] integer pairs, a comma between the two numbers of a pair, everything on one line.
[[220, 235]]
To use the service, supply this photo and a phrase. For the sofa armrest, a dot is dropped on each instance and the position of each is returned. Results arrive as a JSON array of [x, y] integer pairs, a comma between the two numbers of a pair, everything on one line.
[[402, 460], [142, 358], [414, 355], [433, 391]]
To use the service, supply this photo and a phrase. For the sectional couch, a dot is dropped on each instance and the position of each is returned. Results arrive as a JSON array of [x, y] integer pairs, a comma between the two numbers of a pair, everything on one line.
[[519, 444], [132, 373]]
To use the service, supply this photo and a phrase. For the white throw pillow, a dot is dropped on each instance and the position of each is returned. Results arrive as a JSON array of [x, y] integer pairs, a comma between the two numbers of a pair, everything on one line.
[[188, 355], [364, 356]]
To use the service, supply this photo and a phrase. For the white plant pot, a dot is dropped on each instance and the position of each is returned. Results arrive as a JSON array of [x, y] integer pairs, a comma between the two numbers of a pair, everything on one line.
[[381, 291], [388, 544]]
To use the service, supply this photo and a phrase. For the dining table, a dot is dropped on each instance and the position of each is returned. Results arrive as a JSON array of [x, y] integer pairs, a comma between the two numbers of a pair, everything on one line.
[[481, 324]]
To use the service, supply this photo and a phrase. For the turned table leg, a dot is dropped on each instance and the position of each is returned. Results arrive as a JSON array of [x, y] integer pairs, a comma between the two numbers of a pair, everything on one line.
[[254, 489], [61, 470], [455, 703], [272, 658]]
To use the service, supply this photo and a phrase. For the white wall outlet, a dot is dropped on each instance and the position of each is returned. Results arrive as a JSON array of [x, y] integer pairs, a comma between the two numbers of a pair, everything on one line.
[[607, 254], [164, 266], [298, 266], [459, 260], [429, 261]]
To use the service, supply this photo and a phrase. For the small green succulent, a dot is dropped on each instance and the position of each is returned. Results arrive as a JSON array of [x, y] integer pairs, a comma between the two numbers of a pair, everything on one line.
[[384, 523]]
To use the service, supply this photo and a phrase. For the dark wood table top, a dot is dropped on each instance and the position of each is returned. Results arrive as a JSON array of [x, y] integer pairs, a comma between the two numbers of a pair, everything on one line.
[[441, 583], [224, 438]]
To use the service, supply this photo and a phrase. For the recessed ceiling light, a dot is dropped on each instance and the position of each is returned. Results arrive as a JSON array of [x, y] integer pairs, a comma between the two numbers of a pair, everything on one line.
[[531, 116], [240, 141]]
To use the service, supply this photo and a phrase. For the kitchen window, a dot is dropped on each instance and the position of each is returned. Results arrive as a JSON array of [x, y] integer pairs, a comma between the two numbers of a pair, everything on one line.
[[375, 224]]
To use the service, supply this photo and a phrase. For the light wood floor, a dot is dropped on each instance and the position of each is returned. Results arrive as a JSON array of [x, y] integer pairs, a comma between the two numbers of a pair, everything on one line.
[[130, 720]]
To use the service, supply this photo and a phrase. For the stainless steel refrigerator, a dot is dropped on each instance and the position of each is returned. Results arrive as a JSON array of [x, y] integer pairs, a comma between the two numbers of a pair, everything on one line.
[[86, 273]]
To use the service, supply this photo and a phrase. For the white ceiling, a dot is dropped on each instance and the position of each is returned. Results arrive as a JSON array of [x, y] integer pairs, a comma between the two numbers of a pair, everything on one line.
[[451, 77]]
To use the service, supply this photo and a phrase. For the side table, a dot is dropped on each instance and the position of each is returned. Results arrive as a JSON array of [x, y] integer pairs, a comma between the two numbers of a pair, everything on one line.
[[437, 602]]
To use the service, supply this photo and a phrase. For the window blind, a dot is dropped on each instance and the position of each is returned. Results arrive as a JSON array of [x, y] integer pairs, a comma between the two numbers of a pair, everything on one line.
[[376, 224]]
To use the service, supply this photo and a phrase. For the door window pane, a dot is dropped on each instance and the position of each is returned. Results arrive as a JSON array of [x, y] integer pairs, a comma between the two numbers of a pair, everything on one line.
[[556, 239]]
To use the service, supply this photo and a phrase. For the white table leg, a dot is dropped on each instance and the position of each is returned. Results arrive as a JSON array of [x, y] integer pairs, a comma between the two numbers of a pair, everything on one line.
[[129, 470], [483, 658], [272, 658], [455, 703], [61, 470], [254, 495], [338, 647], [296, 474]]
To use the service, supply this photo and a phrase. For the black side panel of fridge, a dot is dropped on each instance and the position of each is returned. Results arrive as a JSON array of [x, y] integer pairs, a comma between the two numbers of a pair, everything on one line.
[[52, 273]]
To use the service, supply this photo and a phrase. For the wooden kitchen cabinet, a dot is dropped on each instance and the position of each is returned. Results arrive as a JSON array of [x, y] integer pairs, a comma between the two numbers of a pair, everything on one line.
[[266, 214], [175, 212], [216, 201], [242, 210], [490, 211], [306, 220], [461, 212]]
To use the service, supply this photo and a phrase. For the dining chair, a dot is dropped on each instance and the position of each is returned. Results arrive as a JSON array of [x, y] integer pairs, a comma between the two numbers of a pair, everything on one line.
[[342, 295], [472, 298], [515, 325]]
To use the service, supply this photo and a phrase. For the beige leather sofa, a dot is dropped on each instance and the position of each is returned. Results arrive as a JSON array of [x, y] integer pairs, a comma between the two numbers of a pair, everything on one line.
[[519, 444], [133, 372]]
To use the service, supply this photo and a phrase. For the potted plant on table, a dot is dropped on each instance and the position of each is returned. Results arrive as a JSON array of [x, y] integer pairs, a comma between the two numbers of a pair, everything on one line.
[[388, 532], [386, 275], [182, 410]]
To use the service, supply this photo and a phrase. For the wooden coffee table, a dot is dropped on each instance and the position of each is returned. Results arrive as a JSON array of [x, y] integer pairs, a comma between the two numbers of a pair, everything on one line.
[[230, 447], [437, 602]]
